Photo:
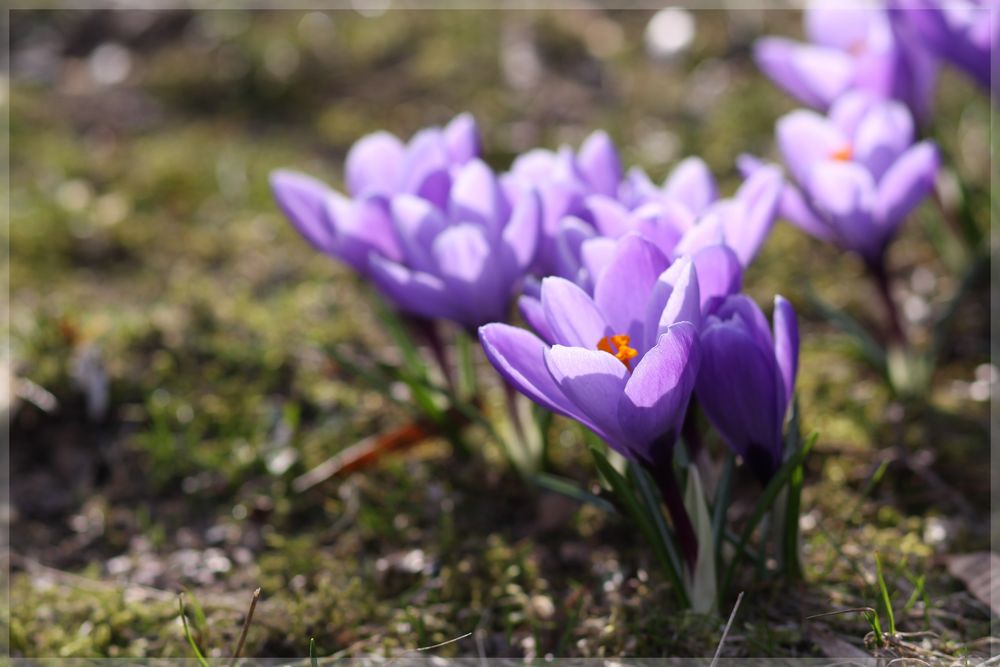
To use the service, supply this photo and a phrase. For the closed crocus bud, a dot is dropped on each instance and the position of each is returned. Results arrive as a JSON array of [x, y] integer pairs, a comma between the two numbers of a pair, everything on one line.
[[747, 378]]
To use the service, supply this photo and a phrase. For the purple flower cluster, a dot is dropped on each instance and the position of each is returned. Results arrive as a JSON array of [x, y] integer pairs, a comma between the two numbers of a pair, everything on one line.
[[632, 289]]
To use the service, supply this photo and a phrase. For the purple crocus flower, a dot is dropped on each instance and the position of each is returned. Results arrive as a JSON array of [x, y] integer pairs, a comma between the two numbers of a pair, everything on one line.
[[747, 378], [622, 362], [378, 167], [856, 172], [429, 223], [851, 47], [963, 32]]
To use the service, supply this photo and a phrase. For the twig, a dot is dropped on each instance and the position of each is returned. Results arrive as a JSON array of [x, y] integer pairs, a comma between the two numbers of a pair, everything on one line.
[[725, 631], [246, 627], [445, 643]]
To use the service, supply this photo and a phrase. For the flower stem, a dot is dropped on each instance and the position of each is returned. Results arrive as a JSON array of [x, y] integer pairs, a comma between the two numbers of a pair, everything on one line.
[[671, 495], [881, 278]]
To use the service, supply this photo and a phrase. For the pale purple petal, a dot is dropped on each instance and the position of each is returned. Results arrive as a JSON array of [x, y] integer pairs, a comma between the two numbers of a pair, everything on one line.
[[519, 356], [302, 199], [795, 209], [622, 292], [663, 222], [610, 218], [521, 234], [839, 25], [596, 254], [461, 136], [675, 298], [843, 194], [814, 75], [414, 292], [720, 274], [363, 226], [531, 310], [426, 166], [374, 164], [573, 232], [652, 407], [599, 162], [417, 223], [760, 194], [593, 381], [908, 181], [476, 196], [469, 268], [786, 345], [691, 183], [884, 133], [806, 138], [573, 317]]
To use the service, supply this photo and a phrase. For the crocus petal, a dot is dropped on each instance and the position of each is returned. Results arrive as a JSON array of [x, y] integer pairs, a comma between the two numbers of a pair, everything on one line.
[[843, 193], [476, 196], [786, 345], [573, 317], [610, 218], [531, 310], [654, 402], [596, 254], [908, 181], [593, 381], [302, 200], [748, 314], [814, 75], [675, 298], [623, 290], [519, 239], [663, 222], [599, 162], [373, 164], [461, 137], [691, 183], [363, 225], [469, 269], [519, 356], [414, 292], [806, 138], [569, 241], [720, 274], [737, 389], [760, 194], [417, 223], [837, 25], [425, 170], [884, 133], [796, 210]]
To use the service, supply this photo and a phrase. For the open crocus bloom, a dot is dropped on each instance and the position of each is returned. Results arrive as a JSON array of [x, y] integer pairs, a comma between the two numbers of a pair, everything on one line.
[[852, 47], [676, 226], [747, 378], [622, 362], [378, 167], [429, 223], [965, 33], [858, 173]]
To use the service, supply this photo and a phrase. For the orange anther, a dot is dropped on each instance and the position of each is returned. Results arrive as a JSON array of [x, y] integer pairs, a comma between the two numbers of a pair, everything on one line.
[[617, 345]]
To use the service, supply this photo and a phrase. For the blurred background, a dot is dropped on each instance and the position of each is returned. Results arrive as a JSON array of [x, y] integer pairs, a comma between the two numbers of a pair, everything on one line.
[[167, 326]]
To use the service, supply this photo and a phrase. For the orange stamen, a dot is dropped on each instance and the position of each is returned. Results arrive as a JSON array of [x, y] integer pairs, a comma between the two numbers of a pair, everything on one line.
[[617, 346], [843, 154]]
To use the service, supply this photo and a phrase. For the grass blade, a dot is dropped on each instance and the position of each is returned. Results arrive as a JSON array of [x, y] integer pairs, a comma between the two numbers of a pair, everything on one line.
[[313, 658], [187, 634], [766, 500], [568, 488], [884, 592], [642, 520]]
